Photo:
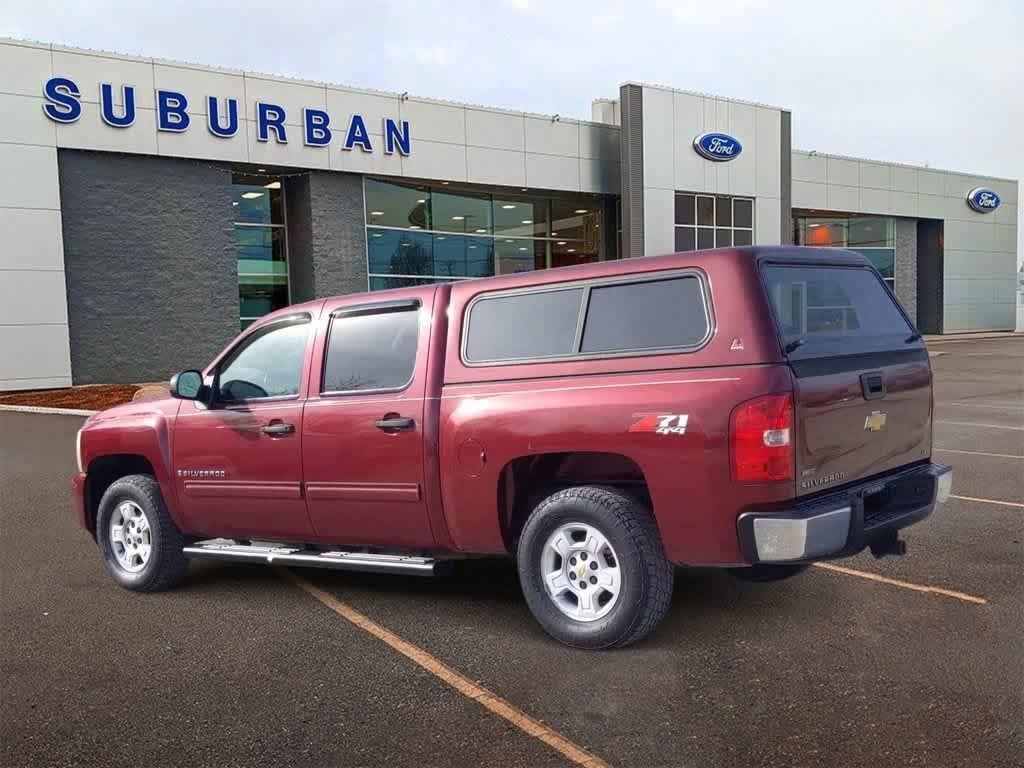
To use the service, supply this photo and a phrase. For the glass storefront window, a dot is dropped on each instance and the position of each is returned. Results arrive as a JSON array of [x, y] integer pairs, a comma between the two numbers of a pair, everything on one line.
[[260, 245], [712, 221], [871, 236], [389, 205], [420, 233]]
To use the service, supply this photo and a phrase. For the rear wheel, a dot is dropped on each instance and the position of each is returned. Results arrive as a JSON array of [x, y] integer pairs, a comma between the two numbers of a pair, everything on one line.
[[592, 568], [141, 546]]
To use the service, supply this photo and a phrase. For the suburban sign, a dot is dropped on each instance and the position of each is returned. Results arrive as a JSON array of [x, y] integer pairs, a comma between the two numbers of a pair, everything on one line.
[[63, 105], [983, 200], [717, 146]]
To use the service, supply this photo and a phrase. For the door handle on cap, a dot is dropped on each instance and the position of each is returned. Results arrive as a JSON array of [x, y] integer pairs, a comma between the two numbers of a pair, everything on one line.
[[395, 423], [277, 429]]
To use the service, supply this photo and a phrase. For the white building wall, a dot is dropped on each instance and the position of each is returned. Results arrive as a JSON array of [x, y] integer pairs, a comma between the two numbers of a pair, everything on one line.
[[34, 349], [980, 249], [671, 121], [451, 142]]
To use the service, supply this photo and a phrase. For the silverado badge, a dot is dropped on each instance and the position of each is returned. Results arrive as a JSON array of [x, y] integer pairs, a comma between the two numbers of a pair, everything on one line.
[[875, 421]]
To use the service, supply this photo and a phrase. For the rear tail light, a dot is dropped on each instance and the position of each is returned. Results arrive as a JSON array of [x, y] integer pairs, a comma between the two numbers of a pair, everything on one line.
[[761, 439]]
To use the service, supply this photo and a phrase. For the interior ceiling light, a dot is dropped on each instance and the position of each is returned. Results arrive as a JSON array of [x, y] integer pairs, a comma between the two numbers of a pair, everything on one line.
[[376, 213], [572, 250], [527, 221], [508, 206], [458, 218], [554, 234], [261, 170], [510, 241], [561, 242], [522, 249], [234, 202], [272, 185], [481, 230], [377, 234], [422, 200], [251, 195], [581, 210], [414, 226], [440, 237]]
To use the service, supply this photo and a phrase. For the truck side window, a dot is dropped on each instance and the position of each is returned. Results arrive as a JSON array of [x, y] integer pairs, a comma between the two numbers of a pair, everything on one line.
[[371, 352], [655, 314], [267, 364], [524, 326]]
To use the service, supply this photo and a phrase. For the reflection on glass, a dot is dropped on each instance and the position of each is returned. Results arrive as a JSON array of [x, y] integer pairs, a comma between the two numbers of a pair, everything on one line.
[[686, 209], [743, 213], [686, 239], [723, 212], [512, 256], [742, 237], [463, 212], [705, 238], [401, 253], [521, 217], [706, 211], [378, 283], [393, 205], [258, 209]]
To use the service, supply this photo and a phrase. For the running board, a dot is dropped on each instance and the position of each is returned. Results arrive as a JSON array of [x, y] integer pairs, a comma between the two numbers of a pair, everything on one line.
[[344, 561]]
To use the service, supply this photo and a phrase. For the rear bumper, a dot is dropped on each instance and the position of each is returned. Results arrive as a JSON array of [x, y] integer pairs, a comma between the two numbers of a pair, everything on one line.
[[78, 498], [843, 523]]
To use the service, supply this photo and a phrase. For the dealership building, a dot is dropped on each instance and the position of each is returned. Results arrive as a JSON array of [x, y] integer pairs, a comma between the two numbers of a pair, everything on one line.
[[153, 208]]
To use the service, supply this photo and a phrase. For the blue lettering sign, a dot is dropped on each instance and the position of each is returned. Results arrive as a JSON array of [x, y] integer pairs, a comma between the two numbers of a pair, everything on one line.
[[127, 116], [717, 146], [316, 133], [62, 102], [393, 137], [270, 116], [357, 134], [170, 111], [213, 118], [983, 200]]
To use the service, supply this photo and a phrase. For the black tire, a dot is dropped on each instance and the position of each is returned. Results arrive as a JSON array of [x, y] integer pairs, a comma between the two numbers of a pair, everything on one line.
[[645, 591], [166, 565], [764, 573]]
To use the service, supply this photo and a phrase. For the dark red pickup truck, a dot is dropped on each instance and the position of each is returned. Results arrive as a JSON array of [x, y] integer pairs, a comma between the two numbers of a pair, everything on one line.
[[752, 408]]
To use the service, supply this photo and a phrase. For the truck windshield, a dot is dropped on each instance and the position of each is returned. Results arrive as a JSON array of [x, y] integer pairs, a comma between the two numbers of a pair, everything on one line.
[[832, 310]]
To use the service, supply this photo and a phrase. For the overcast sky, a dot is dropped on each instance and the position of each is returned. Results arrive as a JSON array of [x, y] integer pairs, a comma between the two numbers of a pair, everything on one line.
[[936, 82]]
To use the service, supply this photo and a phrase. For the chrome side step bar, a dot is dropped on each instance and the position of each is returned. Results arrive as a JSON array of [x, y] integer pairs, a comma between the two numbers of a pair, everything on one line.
[[223, 549]]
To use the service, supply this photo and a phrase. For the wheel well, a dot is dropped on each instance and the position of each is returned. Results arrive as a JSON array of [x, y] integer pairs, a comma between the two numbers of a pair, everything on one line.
[[525, 481], [102, 474]]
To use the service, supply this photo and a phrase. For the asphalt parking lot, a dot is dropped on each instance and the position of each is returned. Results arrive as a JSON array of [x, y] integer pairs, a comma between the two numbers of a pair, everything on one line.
[[242, 667]]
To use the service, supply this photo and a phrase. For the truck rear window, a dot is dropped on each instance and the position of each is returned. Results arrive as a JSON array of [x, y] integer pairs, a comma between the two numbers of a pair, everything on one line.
[[833, 310]]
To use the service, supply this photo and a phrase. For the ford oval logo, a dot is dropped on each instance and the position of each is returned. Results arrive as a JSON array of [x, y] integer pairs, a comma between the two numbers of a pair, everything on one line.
[[983, 200], [717, 146]]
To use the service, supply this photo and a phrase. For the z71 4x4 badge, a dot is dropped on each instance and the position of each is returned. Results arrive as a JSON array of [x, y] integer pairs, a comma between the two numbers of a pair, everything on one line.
[[660, 423]]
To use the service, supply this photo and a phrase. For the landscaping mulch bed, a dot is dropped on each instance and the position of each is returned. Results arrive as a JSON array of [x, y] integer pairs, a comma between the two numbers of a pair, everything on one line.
[[90, 398]]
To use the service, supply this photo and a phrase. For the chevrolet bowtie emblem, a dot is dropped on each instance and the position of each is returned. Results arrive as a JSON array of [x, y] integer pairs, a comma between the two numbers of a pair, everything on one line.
[[875, 421]]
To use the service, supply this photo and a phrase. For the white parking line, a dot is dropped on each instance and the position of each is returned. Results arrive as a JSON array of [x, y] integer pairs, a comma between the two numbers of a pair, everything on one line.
[[983, 405], [981, 453], [903, 584], [988, 501], [982, 426]]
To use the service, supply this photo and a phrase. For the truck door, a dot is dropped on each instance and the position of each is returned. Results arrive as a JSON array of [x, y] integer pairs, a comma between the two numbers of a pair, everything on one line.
[[237, 463], [363, 433]]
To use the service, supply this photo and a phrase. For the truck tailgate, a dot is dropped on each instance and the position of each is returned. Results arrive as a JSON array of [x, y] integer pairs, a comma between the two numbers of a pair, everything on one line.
[[863, 383]]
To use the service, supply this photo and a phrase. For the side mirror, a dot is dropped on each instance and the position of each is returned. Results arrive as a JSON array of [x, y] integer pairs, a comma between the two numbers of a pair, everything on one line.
[[188, 385]]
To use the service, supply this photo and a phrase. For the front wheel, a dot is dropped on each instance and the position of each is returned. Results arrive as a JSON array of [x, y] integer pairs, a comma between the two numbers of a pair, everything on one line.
[[592, 568], [141, 546]]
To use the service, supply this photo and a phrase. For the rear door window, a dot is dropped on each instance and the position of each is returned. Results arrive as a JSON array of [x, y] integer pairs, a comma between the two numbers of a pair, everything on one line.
[[371, 352], [832, 310]]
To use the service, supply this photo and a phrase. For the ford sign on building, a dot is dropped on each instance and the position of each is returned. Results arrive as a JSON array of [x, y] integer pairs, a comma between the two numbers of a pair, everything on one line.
[[983, 200], [157, 207], [717, 146]]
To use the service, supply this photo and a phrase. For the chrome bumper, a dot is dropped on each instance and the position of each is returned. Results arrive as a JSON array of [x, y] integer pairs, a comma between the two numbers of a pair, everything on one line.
[[839, 524]]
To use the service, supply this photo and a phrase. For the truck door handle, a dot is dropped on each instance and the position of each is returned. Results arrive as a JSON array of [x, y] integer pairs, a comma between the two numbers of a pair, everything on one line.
[[872, 385], [277, 428], [390, 423]]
